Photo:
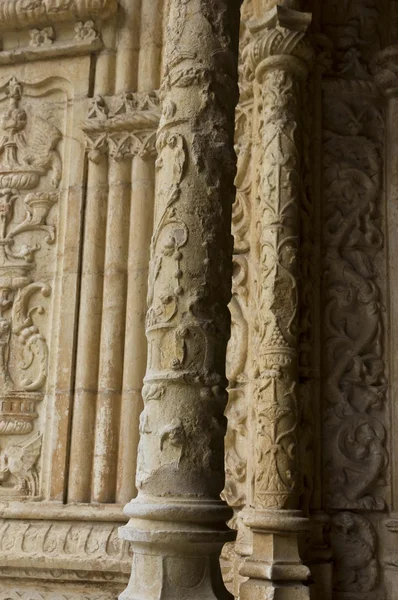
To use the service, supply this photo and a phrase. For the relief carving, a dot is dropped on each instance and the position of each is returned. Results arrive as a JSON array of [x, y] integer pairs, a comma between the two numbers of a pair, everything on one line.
[[354, 545], [42, 37], [16, 14], [356, 384], [18, 472], [28, 152], [62, 549], [85, 31], [277, 295], [123, 125]]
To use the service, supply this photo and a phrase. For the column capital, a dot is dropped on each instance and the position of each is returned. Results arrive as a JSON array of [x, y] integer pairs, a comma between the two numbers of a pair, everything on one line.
[[384, 67], [279, 41]]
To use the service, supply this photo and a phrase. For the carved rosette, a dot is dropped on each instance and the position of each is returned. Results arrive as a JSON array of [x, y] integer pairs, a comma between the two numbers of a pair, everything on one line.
[[180, 470], [354, 544]]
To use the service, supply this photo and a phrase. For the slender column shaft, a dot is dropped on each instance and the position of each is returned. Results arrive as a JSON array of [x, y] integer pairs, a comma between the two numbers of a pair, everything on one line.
[[90, 309], [177, 521], [150, 45], [141, 224], [128, 45], [279, 68], [112, 333], [89, 333]]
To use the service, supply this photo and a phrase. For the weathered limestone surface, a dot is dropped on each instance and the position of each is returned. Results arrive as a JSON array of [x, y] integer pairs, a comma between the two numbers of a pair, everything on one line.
[[116, 129], [177, 522]]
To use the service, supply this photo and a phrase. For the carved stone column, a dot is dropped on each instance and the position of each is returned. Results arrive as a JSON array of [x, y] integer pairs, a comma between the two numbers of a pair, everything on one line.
[[177, 522], [278, 58]]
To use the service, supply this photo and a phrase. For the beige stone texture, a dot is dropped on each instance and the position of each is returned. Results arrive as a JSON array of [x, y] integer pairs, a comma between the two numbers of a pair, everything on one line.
[[116, 263]]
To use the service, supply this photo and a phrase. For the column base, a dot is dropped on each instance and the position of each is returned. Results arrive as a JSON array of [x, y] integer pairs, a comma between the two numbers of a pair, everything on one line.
[[266, 590], [177, 549], [275, 570]]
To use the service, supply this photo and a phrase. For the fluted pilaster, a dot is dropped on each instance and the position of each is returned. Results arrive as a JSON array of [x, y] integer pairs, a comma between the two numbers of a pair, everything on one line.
[[177, 522]]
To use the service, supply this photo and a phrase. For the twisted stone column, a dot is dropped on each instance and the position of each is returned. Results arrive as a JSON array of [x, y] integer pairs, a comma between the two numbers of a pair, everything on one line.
[[177, 522], [278, 58]]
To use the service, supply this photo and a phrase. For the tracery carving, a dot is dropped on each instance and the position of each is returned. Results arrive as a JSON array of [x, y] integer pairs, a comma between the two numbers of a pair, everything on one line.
[[123, 125], [28, 152]]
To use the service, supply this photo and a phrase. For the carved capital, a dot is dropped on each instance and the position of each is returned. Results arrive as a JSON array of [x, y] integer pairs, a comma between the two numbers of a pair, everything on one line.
[[279, 40], [122, 126]]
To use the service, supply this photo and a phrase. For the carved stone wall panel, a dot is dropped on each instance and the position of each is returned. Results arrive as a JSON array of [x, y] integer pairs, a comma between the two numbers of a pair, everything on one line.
[[354, 299], [356, 467], [38, 189], [357, 551]]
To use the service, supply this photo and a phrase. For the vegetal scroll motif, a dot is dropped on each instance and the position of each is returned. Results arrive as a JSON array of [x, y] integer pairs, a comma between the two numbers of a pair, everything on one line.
[[28, 151], [356, 380]]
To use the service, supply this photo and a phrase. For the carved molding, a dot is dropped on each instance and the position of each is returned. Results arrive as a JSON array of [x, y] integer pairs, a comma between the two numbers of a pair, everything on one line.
[[70, 550], [123, 126], [15, 593], [50, 48], [17, 14]]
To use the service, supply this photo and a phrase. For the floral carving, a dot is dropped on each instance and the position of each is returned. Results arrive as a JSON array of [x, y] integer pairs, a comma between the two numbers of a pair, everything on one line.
[[85, 31], [28, 151], [277, 293], [356, 380], [42, 37]]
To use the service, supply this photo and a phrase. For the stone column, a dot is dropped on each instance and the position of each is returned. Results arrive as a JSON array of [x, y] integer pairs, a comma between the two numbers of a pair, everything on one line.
[[177, 522], [110, 370], [278, 57], [141, 225]]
